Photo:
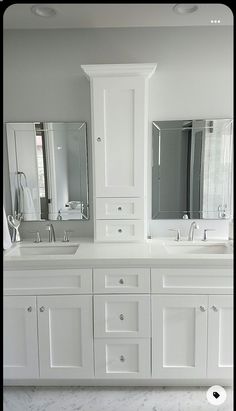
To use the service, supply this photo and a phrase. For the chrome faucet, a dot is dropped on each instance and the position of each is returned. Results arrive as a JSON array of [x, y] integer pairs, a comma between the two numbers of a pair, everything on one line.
[[51, 233], [193, 226]]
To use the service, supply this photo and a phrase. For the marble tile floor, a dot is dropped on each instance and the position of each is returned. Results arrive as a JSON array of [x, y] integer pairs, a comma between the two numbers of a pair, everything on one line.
[[111, 399]]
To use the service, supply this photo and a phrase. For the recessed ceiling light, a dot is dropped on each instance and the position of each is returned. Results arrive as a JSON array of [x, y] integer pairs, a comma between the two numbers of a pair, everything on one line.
[[185, 8], [215, 21], [43, 11]]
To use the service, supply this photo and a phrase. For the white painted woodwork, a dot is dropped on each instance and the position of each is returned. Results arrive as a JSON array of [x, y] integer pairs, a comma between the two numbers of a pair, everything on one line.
[[119, 208], [118, 107], [122, 358], [20, 345], [119, 230], [113, 70], [179, 336], [192, 280], [220, 336], [122, 316], [38, 282], [121, 280], [65, 336]]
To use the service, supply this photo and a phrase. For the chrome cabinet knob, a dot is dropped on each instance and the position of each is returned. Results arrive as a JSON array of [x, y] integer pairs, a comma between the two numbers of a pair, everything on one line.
[[121, 281], [99, 139], [42, 309], [122, 317], [119, 208], [119, 230], [214, 308], [122, 358], [29, 309], [202, 308]]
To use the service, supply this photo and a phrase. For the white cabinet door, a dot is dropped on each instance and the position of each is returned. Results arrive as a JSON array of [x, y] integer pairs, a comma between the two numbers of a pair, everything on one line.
[[122, 316], [20, 344], [118, 136], [179, 344], [220, 337], [65, 336]]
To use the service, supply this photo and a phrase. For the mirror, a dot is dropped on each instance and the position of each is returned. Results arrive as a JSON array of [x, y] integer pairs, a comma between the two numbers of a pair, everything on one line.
[[192, 169], [48, 170]]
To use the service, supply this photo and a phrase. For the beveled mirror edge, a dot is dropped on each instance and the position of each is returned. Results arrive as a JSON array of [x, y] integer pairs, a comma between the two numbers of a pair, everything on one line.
[[83, 123], [230, 216]]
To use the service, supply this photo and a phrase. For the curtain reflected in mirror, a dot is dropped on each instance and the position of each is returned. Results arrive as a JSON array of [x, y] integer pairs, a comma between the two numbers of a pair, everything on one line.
[[48, 170], [192, 169]]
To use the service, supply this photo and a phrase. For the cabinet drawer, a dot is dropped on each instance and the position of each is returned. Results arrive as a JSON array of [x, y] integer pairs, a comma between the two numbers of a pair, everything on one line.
[[123, 357], [119, 230], [119, 208], [122, 316], [72, 281], [121, 280], [192, 281]]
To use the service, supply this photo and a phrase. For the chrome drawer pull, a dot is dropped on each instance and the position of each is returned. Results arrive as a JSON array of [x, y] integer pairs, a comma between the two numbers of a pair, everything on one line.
[[122, 358], [202, 308], [122, 317], [214, 308], [121, 281], [42, 309], [29, 309]]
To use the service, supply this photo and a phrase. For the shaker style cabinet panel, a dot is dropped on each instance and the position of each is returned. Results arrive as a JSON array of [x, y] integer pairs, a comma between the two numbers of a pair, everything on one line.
[[122, 316], [122, 358], [65, 336], [220, 340], [121, 280], [119, 230], [118, 131], [192, 280], [60, 281], [179, 336], [20, 345], [119, 208]]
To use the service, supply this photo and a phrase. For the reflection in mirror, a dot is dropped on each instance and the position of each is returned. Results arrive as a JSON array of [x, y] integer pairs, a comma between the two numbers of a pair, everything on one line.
[[192, 170], [48, 170]]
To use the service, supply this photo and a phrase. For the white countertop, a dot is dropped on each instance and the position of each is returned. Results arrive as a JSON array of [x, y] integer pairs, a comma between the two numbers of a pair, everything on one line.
[[151, 253]]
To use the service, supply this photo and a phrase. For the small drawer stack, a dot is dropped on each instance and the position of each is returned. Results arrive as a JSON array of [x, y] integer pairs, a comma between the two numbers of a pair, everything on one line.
[[119, 219], [122, 323]]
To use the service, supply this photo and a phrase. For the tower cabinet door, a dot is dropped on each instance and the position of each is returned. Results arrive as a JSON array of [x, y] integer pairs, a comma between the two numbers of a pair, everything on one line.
[[220, 340], [118, 136], [20, 345], [179, 344], [65, 336]]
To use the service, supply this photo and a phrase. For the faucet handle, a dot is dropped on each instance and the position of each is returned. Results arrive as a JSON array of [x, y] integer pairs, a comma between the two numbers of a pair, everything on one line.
[[205, 233], [37, 238], [66, 236], [177, 233]]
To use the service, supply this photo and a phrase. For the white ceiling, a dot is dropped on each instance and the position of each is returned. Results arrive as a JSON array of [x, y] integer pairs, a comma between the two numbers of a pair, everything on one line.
[[69, 16]]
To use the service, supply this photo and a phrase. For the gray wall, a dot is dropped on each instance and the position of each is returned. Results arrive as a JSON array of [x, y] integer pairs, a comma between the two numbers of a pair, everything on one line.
[[43, 79]]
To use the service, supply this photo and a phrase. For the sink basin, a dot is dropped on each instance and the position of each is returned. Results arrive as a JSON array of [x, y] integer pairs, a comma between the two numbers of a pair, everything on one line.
[[199, 248], [25, 251]]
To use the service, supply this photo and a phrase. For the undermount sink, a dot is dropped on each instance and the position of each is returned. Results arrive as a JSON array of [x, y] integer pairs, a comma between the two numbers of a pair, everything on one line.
[[218, 248], [45, 250]]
